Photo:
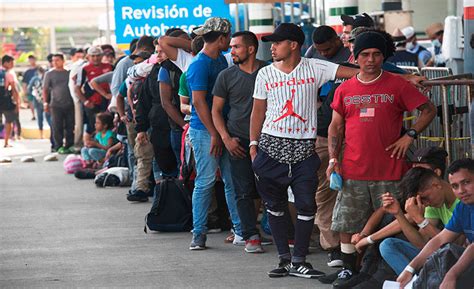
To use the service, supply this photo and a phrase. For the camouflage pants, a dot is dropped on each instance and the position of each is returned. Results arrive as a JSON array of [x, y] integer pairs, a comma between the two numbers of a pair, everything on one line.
[[357, 201]]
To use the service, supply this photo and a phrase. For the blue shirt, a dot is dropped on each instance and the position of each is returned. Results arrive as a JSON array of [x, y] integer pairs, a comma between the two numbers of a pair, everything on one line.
[[462, 221], [201, 75], [164, 76]]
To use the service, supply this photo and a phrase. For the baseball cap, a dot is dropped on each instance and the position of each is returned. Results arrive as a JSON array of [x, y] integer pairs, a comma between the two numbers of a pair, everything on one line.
[[357, 31], [398, 36], [286, 31], [95, 50], [142, 54], [408, 32], [215, 24], [430, 155], [363, 20]]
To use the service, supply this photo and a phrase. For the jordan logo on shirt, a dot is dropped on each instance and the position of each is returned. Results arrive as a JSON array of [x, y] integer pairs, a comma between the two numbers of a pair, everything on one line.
[[289, 109]]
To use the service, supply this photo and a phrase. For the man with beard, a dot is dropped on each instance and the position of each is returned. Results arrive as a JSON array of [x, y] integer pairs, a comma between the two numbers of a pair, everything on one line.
[[234, 86]]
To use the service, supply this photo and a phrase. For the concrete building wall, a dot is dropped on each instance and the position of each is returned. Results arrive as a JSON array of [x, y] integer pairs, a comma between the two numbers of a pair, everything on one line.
[[425, 11]]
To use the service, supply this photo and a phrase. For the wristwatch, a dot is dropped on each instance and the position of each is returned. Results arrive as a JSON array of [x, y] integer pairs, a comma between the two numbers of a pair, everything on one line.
[[412, 133]]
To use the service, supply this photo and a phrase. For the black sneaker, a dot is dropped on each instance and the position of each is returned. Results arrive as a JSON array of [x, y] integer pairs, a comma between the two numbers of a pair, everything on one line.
[[356, 280], [304, 270], [329, 278], [138, 196], [369, 283], [281, 270], [334, 258], [343, 278]]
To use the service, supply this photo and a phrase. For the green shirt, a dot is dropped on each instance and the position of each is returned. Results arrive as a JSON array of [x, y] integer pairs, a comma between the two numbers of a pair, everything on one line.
[[104, 139], [443, 213], [183, 86]]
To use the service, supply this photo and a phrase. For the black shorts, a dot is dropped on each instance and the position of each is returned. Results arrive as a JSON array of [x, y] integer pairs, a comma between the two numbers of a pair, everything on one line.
[[10, 115]]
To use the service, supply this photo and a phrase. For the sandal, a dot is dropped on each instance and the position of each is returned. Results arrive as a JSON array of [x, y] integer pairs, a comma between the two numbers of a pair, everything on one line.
[[230, 238]]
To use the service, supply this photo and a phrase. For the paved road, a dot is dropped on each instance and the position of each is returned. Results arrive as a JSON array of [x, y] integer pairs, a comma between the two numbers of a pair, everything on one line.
[[56, 231]]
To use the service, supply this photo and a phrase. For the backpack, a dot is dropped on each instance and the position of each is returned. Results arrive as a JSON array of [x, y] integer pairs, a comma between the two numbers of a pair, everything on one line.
[[171, 210], [437, 265], [175, 75], [113, 177], [135, 90], [6, 102], [188, 165]]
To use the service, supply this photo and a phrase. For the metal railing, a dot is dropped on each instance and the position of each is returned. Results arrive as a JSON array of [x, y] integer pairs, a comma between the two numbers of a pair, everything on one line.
[[452, 96]]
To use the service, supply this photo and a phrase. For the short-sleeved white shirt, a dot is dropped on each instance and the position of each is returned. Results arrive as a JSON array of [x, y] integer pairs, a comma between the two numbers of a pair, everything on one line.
[[292, 98], [183, 59]]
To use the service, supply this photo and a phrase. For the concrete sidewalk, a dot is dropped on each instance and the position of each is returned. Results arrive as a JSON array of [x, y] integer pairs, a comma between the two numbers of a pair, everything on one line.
[[57, 231]]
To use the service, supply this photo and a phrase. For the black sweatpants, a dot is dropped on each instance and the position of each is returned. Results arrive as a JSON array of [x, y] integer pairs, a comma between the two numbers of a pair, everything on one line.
[[62, 119], [273, 179]]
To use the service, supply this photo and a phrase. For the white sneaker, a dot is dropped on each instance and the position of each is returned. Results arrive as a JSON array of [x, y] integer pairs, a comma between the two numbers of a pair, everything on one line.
[[238, 240]]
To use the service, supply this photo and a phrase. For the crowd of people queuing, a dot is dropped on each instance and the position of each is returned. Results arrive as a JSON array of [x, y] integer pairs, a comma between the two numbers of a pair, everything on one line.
[[285, 132]]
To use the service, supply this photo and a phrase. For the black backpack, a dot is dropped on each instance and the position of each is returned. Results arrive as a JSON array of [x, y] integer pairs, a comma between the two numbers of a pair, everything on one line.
[[6, 101], [171, 210]]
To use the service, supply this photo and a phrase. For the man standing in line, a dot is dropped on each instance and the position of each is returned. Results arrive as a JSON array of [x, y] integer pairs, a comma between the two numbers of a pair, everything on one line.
[[234, 86], [329, 47], [283, 127], [77, 59], [93, 101], [206, 141], [368, 112], [61, 105], [27, 76], [9, 99]]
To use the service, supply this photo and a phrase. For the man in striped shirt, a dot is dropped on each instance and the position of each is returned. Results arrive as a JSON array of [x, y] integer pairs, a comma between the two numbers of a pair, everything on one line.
[[282, 147]]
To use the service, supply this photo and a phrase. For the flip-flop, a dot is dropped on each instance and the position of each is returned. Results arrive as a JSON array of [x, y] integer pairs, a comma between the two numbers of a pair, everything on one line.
[[229, 239]]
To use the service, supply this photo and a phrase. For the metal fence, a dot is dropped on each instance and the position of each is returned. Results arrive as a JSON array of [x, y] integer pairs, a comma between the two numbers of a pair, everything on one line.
[[452, 95]]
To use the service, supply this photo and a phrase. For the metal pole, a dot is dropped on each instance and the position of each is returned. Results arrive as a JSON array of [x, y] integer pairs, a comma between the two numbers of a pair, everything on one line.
[[468, 36], [246, 17], [237, 16], [282, 12], [292, 11], [452, 8], [446, 128], [107, 31]]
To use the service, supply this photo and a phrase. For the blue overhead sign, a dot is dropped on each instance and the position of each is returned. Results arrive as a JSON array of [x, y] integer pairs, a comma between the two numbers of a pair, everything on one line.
[[153, 17]]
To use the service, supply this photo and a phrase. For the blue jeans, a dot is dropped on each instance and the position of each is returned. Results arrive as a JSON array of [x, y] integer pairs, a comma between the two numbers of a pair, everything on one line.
[[92, 154], [47, 116], [245, 191], [397, 253], [132, 164], [39, 112], [206, 168]]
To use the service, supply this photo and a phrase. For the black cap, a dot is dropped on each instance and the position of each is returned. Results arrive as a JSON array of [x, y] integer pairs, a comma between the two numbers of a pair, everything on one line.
[[286, 31], [142, 54], [363, 20], [369, 39], [430, 155]]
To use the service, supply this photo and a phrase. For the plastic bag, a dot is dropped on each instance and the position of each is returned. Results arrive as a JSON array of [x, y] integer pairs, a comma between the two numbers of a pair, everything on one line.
[[335, 181]]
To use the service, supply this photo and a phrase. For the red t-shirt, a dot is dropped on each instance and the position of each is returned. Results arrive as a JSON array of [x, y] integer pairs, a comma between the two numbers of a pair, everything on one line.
[[373, 115], [91, 71]]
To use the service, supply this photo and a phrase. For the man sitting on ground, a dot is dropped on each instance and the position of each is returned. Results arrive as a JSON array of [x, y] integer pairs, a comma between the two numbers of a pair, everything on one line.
[[460, 275]]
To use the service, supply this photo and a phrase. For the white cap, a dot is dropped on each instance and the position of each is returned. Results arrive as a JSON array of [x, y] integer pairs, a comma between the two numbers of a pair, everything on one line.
[[408, 32]]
